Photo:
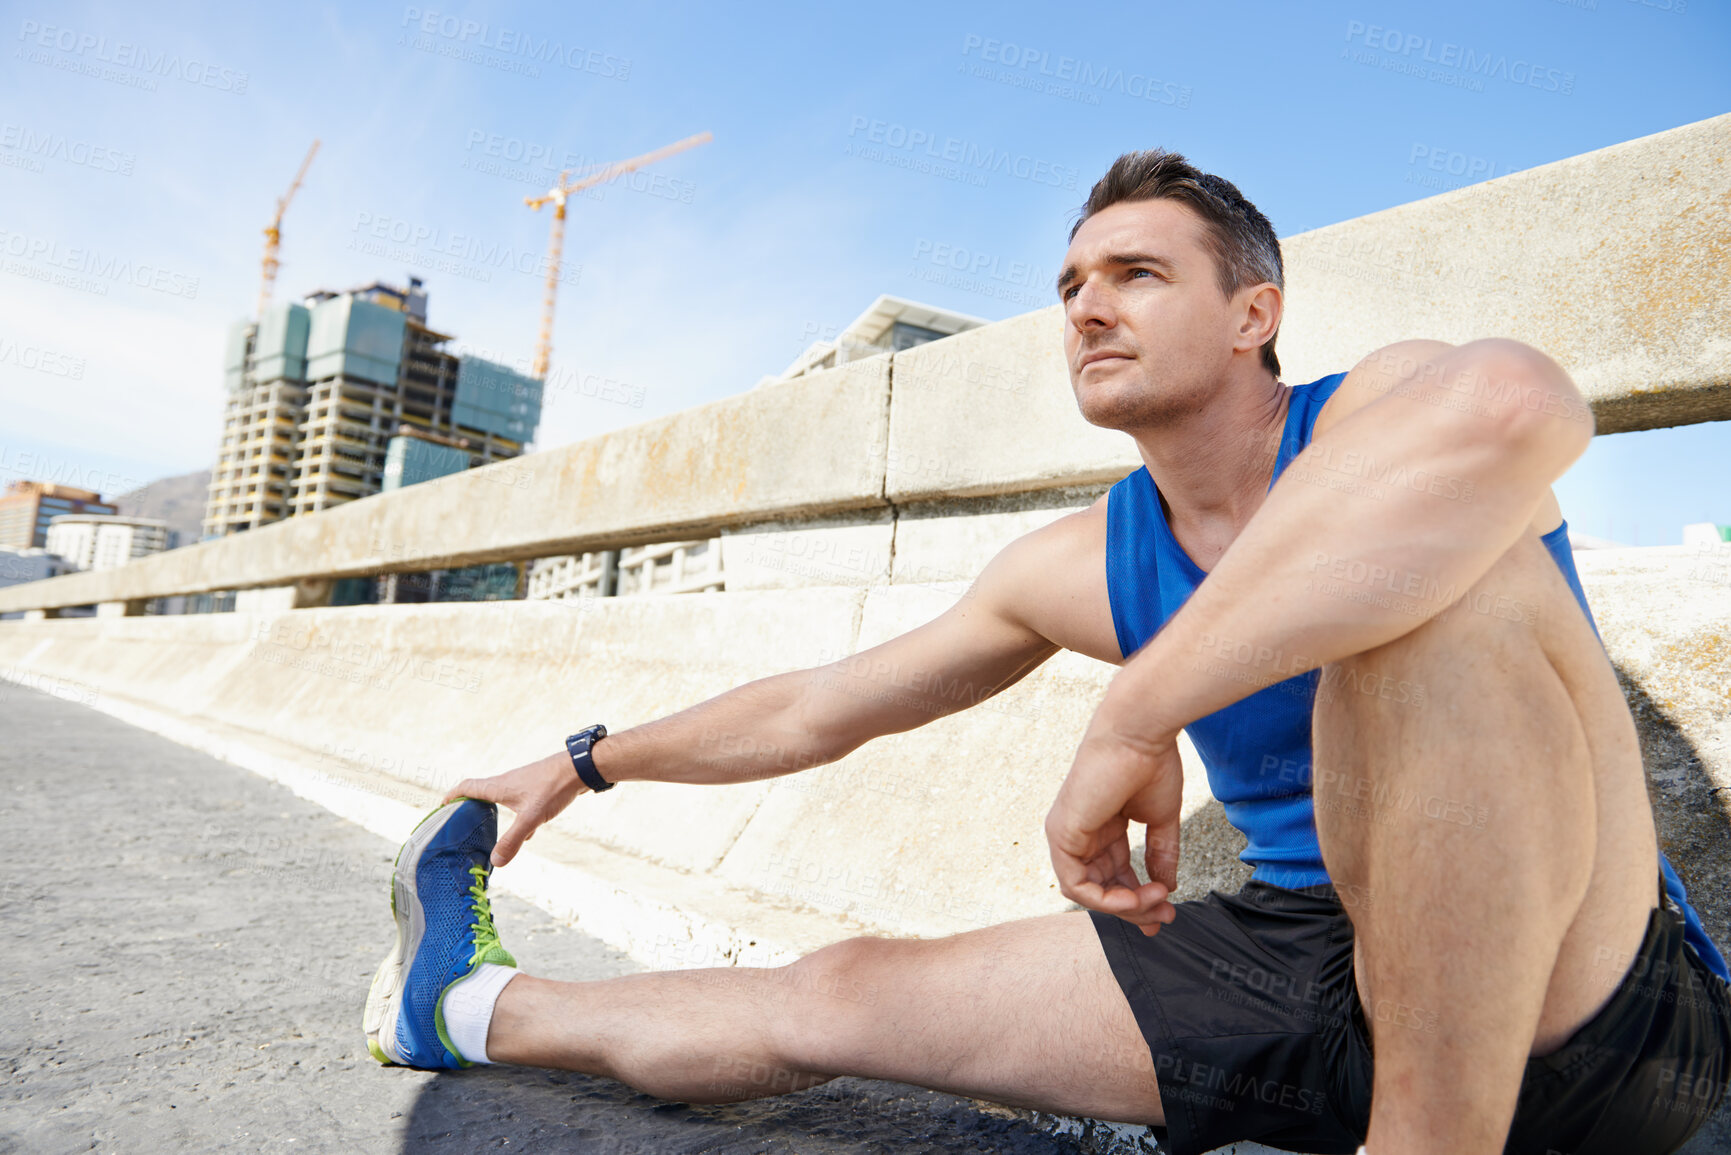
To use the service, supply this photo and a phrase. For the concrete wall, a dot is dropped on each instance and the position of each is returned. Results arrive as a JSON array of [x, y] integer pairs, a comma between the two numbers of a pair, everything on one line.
[[924, 833], [1616, 262], [416, 698]]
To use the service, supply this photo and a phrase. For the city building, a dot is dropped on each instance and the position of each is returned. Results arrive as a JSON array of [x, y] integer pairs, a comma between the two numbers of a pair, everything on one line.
[[29, 565], [889, 325], [414, 456], [105, 541], [27, 507], [1706, 533], [317, 389]]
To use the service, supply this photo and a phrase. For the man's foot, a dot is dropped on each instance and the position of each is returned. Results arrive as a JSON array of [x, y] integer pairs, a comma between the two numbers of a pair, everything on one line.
[[444, 932]]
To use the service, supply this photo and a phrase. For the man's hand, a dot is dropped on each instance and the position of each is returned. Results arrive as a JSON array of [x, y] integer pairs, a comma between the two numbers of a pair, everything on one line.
[[536, 792], [1114, 781]]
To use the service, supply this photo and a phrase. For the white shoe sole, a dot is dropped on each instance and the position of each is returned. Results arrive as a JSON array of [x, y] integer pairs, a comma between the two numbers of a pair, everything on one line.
[[379, 997]]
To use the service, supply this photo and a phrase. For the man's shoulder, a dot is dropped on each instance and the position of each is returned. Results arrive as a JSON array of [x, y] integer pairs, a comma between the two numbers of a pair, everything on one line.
[[1053, 580], [1073, 536]]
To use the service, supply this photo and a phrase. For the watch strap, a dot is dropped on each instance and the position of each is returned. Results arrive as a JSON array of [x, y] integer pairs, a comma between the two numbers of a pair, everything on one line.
[[580, 746]]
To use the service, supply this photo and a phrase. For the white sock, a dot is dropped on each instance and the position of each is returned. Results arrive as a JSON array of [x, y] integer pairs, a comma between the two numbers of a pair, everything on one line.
[[469, 1009]]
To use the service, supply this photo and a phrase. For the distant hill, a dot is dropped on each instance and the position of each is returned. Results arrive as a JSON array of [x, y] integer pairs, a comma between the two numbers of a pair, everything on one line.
[[177, 500]]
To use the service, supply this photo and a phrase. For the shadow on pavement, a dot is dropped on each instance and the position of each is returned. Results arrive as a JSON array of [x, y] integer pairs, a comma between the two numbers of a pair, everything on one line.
[[544, 1111]]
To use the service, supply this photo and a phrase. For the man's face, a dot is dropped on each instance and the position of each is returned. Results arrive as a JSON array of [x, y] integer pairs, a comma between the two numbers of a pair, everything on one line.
[[1148, 334]]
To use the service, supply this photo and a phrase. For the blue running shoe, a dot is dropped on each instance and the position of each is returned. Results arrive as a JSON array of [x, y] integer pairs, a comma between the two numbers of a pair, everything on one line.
[[444, 931]]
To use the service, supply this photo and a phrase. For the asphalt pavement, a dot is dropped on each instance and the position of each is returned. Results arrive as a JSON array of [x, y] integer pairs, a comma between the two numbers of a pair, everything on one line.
[[185, 949]]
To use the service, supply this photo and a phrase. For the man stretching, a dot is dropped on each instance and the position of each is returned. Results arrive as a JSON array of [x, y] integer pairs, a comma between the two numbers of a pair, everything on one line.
[[1400, 699]]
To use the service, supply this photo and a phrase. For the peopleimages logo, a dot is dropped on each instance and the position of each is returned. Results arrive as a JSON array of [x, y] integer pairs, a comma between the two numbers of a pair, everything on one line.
[[516, 42], [87, 270], [41, 359], [59, 471], [51, 146], [90, 47], [1087, 78], [417, 241], [1454, 62], [923, 145], [539, 164], [956, 267], [981, 264]]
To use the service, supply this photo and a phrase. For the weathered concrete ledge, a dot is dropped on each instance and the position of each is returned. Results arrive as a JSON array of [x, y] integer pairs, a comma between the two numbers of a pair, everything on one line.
[[1616, 262], [401, 702], [810, 446]]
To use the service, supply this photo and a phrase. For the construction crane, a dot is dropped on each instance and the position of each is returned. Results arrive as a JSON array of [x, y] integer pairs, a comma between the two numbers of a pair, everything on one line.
[[558, 195], [273, 233]]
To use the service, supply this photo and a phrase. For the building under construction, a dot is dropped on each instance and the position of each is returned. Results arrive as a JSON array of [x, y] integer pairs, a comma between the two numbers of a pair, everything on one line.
[[317, 390]]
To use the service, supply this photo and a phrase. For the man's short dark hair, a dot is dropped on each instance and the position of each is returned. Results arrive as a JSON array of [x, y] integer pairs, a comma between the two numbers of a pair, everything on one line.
[[1238, 236]]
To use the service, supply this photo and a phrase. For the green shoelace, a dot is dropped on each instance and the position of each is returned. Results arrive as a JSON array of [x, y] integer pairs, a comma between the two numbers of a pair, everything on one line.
[[487, 945]]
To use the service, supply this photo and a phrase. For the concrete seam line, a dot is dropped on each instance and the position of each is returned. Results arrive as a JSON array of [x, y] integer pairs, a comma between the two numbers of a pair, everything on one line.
[[886, 425], [895, 510]]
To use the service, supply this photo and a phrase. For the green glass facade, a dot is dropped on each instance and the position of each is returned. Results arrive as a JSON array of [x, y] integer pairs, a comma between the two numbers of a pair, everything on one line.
[[280, 350], [496, 399], [353, 338], [412, 460]]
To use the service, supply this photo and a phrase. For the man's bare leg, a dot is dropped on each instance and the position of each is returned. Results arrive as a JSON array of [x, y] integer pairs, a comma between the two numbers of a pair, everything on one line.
[[1026, 1014], [1499, 843]]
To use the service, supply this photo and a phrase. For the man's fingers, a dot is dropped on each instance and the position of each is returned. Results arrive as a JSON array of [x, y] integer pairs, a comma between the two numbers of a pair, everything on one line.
[[1108, 890], [1145, 907], [482, 789], [506, 848], [1161, 857], [1160, 916]]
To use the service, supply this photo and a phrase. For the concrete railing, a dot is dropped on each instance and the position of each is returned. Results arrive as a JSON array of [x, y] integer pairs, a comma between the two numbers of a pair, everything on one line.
[[1616, 262]]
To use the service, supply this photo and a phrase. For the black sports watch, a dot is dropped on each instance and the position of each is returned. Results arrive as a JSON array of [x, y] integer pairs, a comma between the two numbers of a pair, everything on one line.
[[579, 745]]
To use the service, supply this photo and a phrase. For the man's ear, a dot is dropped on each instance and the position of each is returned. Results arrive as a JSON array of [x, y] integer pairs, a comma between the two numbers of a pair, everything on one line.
[[1260, 320]]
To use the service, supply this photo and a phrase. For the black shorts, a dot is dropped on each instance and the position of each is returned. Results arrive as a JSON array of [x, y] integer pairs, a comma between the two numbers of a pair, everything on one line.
[[1252, 1016]]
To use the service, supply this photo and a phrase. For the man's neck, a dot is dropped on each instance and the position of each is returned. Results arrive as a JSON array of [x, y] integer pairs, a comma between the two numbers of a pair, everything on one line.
[[1213, 466]]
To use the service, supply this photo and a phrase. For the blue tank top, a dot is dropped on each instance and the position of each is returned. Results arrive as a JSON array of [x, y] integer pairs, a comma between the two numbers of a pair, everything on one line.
[[1257, 750]]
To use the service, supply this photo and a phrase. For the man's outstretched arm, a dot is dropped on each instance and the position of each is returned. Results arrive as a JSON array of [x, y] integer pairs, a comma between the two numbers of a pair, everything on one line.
[[1465, 441], [790, 722]]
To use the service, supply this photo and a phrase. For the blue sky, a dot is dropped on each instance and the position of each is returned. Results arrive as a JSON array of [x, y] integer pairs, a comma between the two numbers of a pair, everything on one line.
[[179, 129]]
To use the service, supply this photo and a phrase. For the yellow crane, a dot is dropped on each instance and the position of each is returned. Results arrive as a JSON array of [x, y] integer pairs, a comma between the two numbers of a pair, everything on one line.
[[558, 195], [273, 233]]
